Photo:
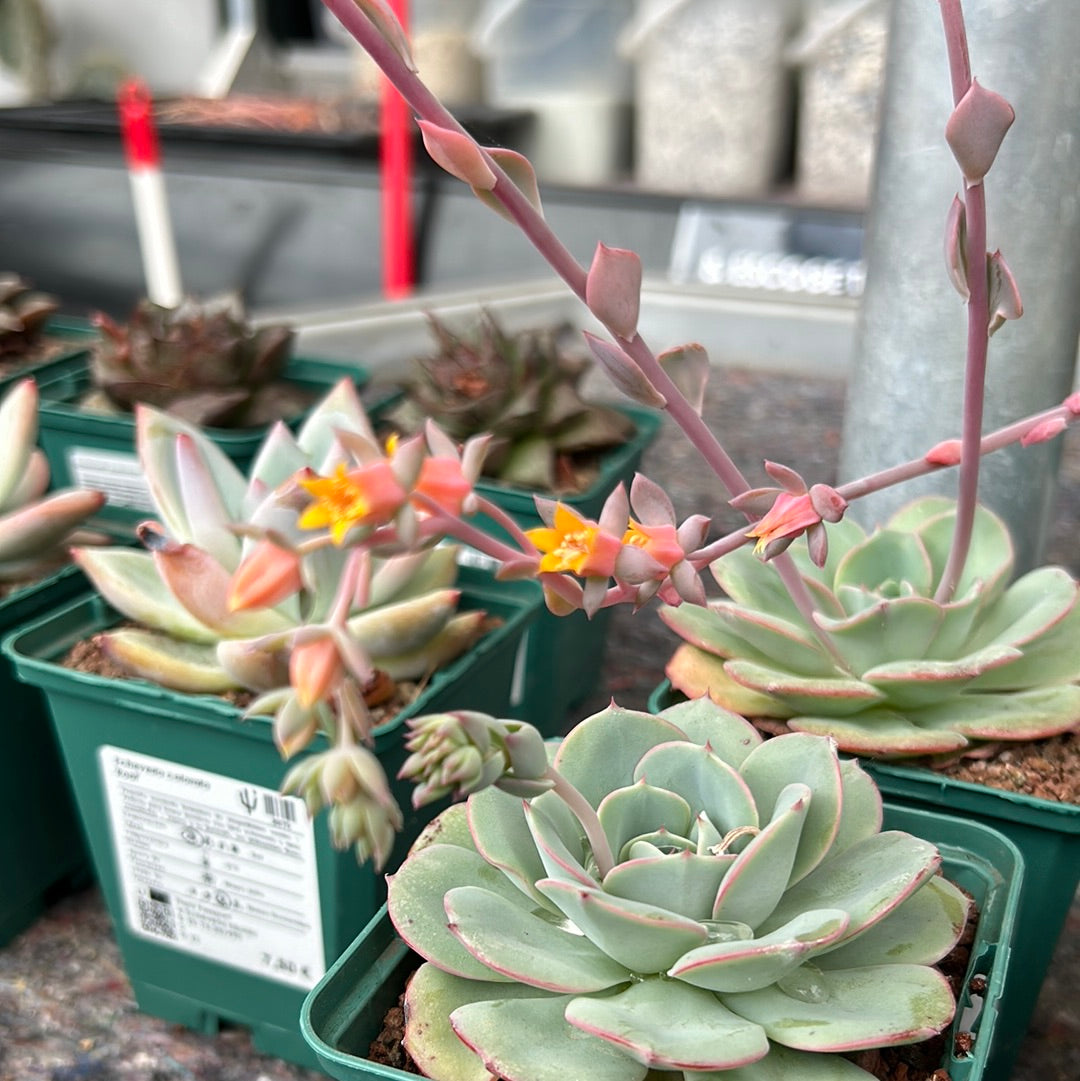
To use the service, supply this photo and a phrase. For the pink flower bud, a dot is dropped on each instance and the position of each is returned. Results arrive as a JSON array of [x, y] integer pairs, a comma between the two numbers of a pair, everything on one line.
[[945, 453], [1043, 431]]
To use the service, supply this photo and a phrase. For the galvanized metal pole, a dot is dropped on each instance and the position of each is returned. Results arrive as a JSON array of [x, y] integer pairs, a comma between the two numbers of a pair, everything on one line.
[[906, 387]]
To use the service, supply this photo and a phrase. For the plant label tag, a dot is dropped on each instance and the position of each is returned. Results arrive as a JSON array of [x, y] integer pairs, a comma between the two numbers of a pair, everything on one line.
[[215, 867], [119, 476], [766, 251]]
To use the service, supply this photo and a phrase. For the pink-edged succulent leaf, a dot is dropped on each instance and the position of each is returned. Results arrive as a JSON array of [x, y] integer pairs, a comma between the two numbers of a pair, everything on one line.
[[506, 938], [1020, 715], [613, 289], [729, 630], [705, 781], [560, 857], [750, 964], [956, 246], [191, 667], [555, 1049], [458, 154], [916, 683], [976, 129], [707, 1036], [201, 585], [39, 527], [759, 876], [697, 674], [639, 936], [730, 735], [881, 732], [844, 695], [921, 931], [868, 880], [878, 1006], [685, 882], [772, 769], [414, 898], [1005, 301], [431, 997]]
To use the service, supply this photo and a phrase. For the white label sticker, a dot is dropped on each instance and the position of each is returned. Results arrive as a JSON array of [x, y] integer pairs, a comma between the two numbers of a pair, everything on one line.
[[119, 476], [216, 867]]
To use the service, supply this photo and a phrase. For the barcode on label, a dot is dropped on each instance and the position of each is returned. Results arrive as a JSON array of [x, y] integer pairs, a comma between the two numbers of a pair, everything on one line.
[[279, 808], [156, 915]]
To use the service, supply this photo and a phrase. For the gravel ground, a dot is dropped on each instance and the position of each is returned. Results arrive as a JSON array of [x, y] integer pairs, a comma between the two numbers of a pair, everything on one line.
[[66, 1012]]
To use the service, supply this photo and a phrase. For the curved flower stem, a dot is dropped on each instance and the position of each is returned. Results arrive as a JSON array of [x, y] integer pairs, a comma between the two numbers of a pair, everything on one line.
[[502, 518], [978, 309], [441, 522], [583, 811]]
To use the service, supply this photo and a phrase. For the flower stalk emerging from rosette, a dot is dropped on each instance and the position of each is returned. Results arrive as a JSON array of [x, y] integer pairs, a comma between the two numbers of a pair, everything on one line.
[[680, 897]]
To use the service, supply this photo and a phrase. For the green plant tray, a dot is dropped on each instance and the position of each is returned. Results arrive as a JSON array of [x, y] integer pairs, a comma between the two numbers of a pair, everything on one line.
[[70, 337], [344, 1013], [1047, 833], [169, 786], [566, 653], [93, 450], [42, 850]]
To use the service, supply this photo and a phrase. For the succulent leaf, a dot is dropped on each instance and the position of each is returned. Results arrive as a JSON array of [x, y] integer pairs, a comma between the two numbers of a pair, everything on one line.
[[508, 939], [191, 667], [851, 1009], [670, 1026], [556, 1050]]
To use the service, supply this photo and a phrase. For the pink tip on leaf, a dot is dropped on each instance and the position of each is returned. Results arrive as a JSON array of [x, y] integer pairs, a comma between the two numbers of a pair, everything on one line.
[[786, 477], [613, 289], [458, 155], [956, 246], [945, 453], [976, 128], [1005, 302], [624, 372], [1043, 431]]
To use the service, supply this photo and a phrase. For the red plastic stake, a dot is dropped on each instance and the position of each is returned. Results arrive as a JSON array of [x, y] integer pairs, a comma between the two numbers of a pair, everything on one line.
[[395, 168]]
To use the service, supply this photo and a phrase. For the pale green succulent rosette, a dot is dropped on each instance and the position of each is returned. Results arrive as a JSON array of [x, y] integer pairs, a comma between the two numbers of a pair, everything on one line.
[[187, 639], [912, 676], [755, 925]]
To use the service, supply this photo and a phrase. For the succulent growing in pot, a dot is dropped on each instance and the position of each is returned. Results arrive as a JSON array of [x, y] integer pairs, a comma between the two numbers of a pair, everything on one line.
[[669, 894], [523, 390], [907, 674], [202, 361], [24, 312], [36, 526]]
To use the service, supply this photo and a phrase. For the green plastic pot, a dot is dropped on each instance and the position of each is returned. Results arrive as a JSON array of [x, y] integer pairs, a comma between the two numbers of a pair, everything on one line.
[[566, 653], [67, 338], [1047, 833], [42, 850], [228, 903], [344, 1013], [92, 450]]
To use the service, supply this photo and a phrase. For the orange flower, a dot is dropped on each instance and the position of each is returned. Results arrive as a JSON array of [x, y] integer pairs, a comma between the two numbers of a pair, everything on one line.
[[659, 541], [443, 480], [368, 495], [573, 544], [265, 578], [315, 669], [788, 517]]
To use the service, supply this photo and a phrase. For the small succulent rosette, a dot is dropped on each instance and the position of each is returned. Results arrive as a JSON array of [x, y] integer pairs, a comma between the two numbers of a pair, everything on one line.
[[743, 914]]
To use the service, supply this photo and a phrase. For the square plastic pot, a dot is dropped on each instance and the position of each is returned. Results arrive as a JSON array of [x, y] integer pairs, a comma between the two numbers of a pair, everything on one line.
[[227, 900], [42, 849], [1047, 833], [96, 450], [344, 1013]]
